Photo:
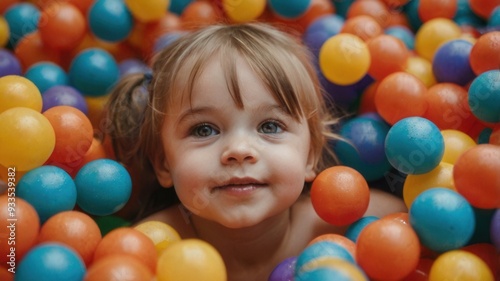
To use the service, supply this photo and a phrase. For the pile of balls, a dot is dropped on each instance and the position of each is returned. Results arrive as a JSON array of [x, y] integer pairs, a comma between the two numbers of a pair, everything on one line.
[[420, 79]]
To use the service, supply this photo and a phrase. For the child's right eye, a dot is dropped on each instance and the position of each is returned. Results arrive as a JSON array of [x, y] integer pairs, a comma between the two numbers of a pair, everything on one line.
[[203, 131]]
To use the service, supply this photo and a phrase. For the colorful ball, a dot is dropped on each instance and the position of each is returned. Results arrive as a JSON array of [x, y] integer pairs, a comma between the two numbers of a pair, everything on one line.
[[434, 33], [18, 91], [22, 19], [442, 218], [94, 72], [110, 20], [483, 8], [316, 252], [162, 234], [484, 96], [147, 11], [429, 9], [341, 240], [20, 127], [422, 69], [321, 30], [451, 62], [363, 26], [495, 229], [284, 271], [64, 95], [131, 66], [51, 261], [46, 75], [178, 6], [4, 32], [244, 10], [289, 9], [459, 265], [414, 145], [103, 186], [402, 33], [455, 143], [476, 176], [30, 49], [340, 195], [113, 266], [356, 227], [332, 269], [389, 55], [10, 64], [344, 59]]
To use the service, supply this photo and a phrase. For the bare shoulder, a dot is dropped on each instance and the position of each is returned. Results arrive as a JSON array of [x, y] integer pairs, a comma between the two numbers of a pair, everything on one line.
[[383, 203], [175, 216]]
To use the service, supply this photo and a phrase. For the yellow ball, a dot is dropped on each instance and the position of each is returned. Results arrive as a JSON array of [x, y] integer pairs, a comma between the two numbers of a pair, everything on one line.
[[4, 32], [344, 59], [17, 91], [96, 107], [460, 265], [455, 143], [243, 10], [441, 176], [348, 269], [160, 233], [27, 138], [422, 69], [190, 259], [432, 34], [147, 10]]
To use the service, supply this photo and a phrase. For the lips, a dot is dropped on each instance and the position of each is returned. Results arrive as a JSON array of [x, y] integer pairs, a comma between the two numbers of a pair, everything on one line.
[[240, 184]]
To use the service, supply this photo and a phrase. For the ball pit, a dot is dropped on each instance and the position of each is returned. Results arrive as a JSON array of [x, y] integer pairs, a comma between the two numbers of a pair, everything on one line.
[[391, 59]]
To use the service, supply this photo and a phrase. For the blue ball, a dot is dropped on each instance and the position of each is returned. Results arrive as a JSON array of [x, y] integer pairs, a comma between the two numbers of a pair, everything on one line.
[[484, 96], [9, 64], [451, 62], [355, 228], [46, 74], [94, 72], [178, 6], [289, 9], [321, 249], [363, 148], [51, 261], [484, 136], [110, 20], [494, 19], [103, 187], [411, 12], [49, 189], [414, 145], [284, 271], [64, 95], [402, 33], [22, 18], [342, 7], [321, 30], [442, 219], [323, 274]]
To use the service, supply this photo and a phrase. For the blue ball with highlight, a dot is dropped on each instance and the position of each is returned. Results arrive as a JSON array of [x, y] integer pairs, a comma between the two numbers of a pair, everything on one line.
[[46, 75]]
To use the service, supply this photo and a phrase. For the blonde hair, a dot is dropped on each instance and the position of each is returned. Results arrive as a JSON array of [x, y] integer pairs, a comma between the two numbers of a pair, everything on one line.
[[283, 64]]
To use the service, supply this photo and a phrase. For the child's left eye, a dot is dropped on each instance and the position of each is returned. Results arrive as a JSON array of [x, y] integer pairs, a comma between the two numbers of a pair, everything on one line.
[[271, 127], [203, 131]]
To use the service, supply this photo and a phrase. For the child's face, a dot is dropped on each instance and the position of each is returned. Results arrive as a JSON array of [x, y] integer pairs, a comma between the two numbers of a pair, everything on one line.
[[235, 166]]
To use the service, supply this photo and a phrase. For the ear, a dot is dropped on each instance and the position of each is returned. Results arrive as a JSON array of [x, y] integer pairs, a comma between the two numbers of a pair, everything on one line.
[[310, 173], [162, 171]]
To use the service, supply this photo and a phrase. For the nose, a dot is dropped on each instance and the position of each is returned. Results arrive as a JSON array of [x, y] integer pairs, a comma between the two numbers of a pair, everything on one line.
[[239, 149]]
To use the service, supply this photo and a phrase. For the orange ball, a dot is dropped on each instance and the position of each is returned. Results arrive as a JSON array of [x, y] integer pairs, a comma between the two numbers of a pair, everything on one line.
[[31, 49], [343, 241], [5, 274], [367, 99], [485, 53], [495, 135], [387, 249], [128, 241], [476, 176], [365, 27], [431, 9], [118, 267], [389, 55], [483, 8], [340, 195], [400, 95], [5, 4], [376, 9], [75, 229], [200, 13]]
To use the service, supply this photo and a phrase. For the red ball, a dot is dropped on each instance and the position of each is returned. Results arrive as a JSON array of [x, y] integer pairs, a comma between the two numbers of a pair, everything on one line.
[[485, 53], [116, 267], [431, 9], [340, 195], [388, 55]]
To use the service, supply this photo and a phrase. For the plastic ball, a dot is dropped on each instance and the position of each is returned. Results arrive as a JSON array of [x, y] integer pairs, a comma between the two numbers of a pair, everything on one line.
[[400, 95], [51, 261], [74, 229], [46, 75], [387, 250], [30, 49], [25, 230], [49, 190], [414, 145], [284, 271], [332, 269], [340, 195], [315, 253], [373, 8], [363, 148], [455, 143], [316, 10], [118, 266], [338, 239], [434, 33], [363, 26], [64, 95], [495, 229], [198, 14], [9, 64], [130, 66], [22, 19], [4, 31], [494, 18], [476, 176], [344, 59], [321, 30], [422, 69], [94, 72], [484, 96], [62, 26], [108, 223], [165, 40], [104, 187], [178, 6], [356, 227], [429, 9], [484, 136], [389, 55], [5, 274], [110, 20], [459, 265], [421, 273], [18, 91], [243, 11], [289, 9], [191, 259], [414, 185], [162, 234], [451, 62], [20, 126], [487, 252], [82, 5], [146, 11], [483, 8], [402, 33]]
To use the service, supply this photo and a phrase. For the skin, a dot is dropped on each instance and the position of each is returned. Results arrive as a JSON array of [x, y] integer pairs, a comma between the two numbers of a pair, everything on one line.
[[240, 173]]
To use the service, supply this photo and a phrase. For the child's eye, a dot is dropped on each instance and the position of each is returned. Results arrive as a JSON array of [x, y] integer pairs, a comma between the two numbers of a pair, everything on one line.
[[203, 131], [271, 127]]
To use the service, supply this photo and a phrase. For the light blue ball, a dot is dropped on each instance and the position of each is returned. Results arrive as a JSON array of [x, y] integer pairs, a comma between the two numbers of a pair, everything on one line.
[[484, 96], [402, 33], [289, 9], [110, 20], [49, 262], [49, 189], [22, 19], [46, 75], [323, 274], [352, 232], [321, 249], [414, 145], [103, 187], [442, 219], [94, 72]]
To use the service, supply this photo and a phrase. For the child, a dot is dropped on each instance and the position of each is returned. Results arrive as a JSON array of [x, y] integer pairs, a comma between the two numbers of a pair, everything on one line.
[[236, 124]]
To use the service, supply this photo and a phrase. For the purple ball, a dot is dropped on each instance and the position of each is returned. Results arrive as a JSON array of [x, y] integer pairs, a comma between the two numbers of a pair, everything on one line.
[[130, 66], [495, 229], [9, 64], [64, 95], [284, 271]]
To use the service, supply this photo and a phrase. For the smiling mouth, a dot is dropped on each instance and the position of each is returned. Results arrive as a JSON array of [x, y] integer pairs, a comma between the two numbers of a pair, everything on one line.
[[241, 185]]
